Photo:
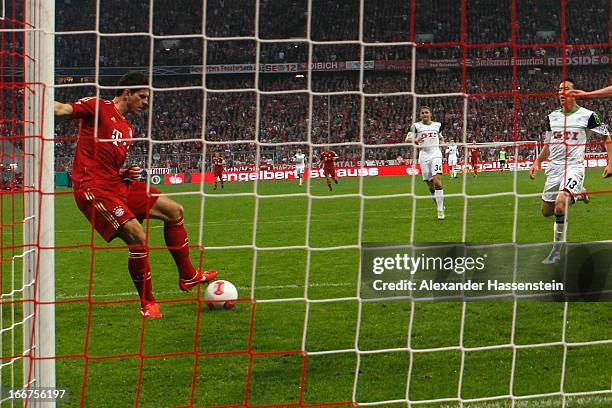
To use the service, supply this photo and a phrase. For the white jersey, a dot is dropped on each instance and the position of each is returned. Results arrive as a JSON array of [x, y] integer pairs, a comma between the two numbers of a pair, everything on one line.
[[452, 152], [567, 135], [428, 137], [299, 160]]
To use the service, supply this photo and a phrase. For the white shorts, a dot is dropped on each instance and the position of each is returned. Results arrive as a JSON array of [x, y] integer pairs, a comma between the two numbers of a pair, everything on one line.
[[431, 167], [560, 178], [452, 161], [299, 170]]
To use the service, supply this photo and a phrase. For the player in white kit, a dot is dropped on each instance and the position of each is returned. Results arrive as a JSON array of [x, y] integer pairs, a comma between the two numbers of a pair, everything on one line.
[[452, 154], [427, 135], [299, 159], [564, 146]]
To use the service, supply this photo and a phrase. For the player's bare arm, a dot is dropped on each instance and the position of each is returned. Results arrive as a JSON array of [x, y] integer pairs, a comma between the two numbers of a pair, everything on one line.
[[599, 93], [410, 135], [62, 110], [538, 162], [608, 170]]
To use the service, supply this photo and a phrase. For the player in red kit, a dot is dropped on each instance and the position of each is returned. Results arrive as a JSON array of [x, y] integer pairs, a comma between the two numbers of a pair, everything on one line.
[[111, 197], [474, 157], [218, 163], [329, 168]]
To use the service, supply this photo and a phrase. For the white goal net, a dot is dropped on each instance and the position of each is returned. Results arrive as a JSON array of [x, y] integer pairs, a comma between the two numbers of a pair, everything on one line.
[[256, 81]]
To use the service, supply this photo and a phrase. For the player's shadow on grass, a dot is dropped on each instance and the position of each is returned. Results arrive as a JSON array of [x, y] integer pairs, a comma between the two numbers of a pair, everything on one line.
[[585, 270]]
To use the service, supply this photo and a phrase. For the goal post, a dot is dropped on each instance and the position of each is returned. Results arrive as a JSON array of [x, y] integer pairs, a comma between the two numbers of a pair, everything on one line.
[[277, 244], [38, 265]]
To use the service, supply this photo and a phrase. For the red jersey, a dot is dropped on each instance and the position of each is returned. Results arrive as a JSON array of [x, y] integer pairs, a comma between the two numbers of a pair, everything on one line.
[[328, 159], [98, 161], [217, 163], [475, 154]]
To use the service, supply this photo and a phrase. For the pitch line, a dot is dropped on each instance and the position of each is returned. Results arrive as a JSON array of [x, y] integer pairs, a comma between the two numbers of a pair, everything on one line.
[[264, 287], [584, 401], [283, 219]]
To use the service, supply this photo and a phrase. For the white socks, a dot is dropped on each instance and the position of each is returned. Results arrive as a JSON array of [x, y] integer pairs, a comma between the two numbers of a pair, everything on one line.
[[439, 196], [560, 230]]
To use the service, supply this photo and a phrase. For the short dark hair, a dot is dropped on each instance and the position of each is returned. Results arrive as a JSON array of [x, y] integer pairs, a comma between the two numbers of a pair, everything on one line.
[[133, 80], [569, 79], [425, 107]]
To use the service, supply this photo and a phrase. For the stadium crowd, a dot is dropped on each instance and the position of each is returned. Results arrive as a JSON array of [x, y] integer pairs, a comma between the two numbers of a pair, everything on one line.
[[336, 118], [494, 113], [436, 21]]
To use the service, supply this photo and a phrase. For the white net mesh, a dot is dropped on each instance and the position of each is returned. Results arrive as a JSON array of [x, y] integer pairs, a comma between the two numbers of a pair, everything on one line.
[[258, 80]]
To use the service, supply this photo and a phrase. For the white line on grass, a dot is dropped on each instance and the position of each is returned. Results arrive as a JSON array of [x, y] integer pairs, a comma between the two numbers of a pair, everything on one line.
[[285, 219], [264, 287], [575, 402]]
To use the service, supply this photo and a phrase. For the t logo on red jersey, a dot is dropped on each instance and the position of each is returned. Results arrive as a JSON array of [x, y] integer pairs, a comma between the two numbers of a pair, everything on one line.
[[116, 136]]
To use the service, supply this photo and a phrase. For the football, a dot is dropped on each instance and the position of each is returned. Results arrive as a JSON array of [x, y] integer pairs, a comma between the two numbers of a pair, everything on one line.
[[221, 294]]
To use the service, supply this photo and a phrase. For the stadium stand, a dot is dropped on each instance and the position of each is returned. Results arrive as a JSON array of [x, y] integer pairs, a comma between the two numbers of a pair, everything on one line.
[[336, 118]]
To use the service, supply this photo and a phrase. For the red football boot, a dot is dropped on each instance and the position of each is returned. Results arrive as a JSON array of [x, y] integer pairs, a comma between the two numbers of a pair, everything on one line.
[[199, 278], [151, 311]]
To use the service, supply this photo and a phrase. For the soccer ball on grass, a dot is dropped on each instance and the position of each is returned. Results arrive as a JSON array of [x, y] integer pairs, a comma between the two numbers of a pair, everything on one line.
[[221, 294]]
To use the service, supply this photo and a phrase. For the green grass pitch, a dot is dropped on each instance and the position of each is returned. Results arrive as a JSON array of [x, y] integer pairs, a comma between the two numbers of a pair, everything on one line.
[[169, 345]]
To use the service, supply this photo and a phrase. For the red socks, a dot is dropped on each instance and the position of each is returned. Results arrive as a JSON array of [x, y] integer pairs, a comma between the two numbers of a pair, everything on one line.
[[138, 260], [178, 245], [140, 271]]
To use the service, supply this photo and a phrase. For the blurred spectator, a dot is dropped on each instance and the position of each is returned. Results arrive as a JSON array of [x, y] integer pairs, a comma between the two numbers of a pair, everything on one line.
[[347, 106]]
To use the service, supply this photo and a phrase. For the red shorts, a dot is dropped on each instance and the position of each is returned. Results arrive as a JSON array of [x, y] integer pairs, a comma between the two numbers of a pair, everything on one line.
[[218, 173], [329, 172], [109, 207]]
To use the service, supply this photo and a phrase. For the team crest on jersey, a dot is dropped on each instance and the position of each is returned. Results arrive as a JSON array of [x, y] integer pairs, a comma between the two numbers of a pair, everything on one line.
[[119, 211]]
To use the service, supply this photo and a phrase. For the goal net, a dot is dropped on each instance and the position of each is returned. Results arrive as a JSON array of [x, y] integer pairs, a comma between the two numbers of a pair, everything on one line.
[[256, 82], [27, 166]]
